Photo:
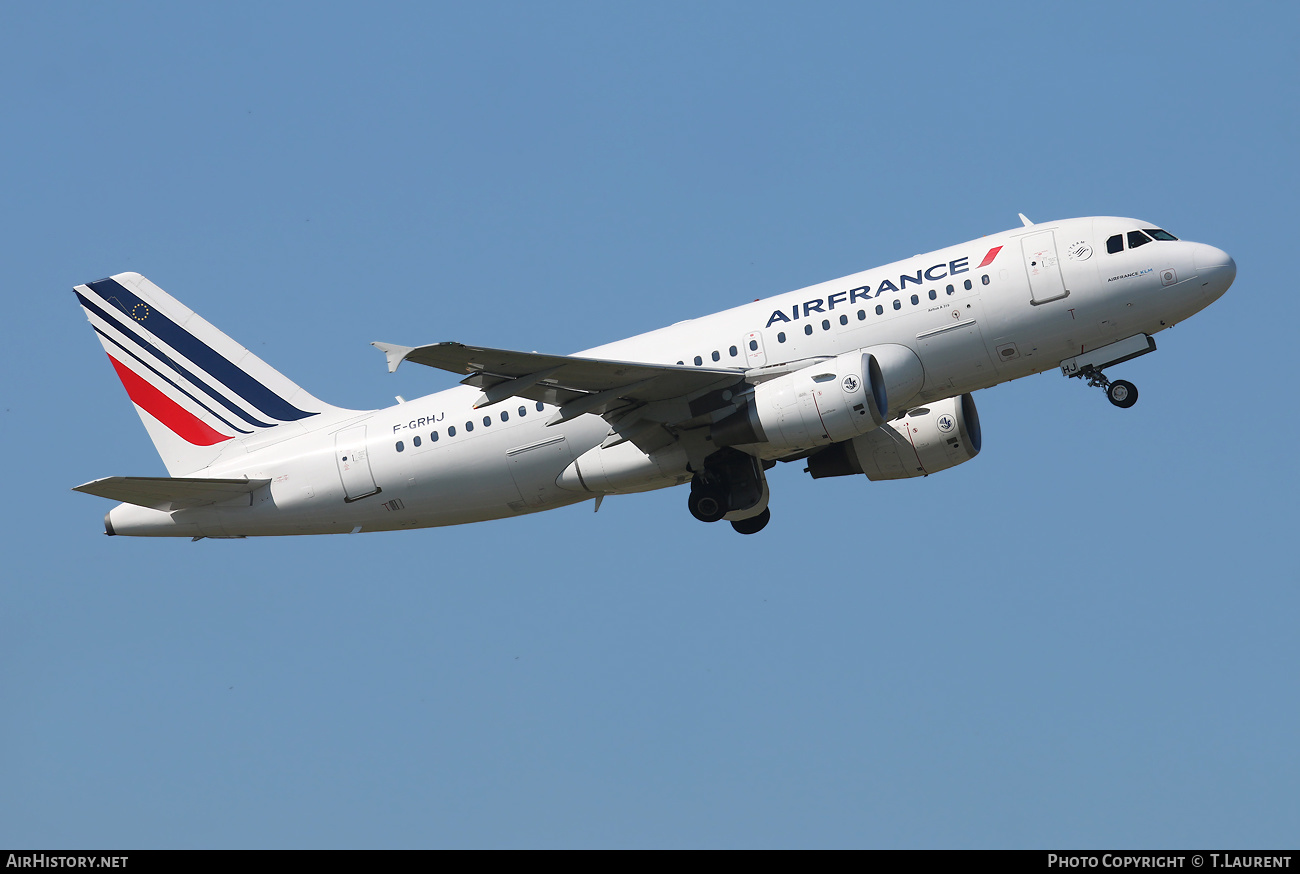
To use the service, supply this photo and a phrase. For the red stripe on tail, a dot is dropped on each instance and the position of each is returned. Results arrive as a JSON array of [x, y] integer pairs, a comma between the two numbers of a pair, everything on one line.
[[182, 422]]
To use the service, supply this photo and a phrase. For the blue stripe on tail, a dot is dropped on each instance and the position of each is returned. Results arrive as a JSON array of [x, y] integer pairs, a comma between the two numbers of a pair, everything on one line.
[[158, 353], [167, 379], [203, 355]]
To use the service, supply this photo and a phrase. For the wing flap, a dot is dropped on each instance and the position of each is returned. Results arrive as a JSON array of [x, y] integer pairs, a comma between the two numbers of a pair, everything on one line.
[[170, 493]]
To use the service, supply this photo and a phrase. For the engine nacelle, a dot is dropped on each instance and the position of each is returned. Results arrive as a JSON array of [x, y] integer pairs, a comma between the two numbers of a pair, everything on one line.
[[625, 468], [903, 374], [926, 440], [828, 402]]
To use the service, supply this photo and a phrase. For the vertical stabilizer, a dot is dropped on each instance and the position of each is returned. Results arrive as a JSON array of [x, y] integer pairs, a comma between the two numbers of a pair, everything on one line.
[[194, 388]]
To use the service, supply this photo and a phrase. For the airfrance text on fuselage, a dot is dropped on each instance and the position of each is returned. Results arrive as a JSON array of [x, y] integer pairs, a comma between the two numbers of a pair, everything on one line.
[[864, 292]]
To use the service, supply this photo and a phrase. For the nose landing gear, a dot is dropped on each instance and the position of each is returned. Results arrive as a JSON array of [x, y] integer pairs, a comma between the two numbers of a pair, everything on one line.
[[1121, 392], [1088, 365]]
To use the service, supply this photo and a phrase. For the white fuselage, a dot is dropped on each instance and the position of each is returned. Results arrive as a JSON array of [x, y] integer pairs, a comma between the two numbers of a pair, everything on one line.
[[974, 316]]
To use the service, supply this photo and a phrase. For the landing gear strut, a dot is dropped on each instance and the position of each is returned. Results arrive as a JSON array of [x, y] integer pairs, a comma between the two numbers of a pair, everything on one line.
[[1121, 393]]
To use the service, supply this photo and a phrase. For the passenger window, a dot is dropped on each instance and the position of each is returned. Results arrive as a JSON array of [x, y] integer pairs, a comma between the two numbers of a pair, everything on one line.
[[451, 430], [415, 441], [733, 351], [523, 411], [780, 338], [949, 289], [698, 361], [898, 304], [1115, 244], [807, 329], [753, 345], [880, 311], [826, 324], [967, 284], [915, 300], [400, 446], [1163, 236], [469, 426], [985, 279], [716, 356], [433, 438], [862, 315], [505, 416], [487, 420], [933, 294], [1137, 238], [540, 406]]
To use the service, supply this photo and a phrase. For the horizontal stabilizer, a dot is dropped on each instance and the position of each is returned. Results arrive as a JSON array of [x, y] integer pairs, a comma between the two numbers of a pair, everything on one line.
[[170, 493]]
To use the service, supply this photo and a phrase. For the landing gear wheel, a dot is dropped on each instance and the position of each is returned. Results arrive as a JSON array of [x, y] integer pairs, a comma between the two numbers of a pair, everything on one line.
[[1122, 393], [753, 524], [708, 504]]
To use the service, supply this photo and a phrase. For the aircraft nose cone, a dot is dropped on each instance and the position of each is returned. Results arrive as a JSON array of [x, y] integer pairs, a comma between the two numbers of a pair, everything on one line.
[[1208, 259], [1215, 267]]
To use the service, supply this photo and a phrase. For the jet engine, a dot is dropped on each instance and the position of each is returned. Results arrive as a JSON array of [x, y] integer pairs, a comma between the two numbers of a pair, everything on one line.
[[833, 400], [924, 441], [903, 374]]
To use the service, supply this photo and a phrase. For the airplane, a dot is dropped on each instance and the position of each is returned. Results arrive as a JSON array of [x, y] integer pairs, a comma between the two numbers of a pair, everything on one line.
[[870, 374]]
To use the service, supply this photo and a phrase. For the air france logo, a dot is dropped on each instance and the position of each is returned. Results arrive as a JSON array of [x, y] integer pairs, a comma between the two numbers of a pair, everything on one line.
[[851, 384], [851, 296], [946, 423]]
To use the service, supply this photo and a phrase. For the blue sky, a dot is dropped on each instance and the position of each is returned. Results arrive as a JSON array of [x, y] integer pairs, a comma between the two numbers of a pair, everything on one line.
[[1085, 637]]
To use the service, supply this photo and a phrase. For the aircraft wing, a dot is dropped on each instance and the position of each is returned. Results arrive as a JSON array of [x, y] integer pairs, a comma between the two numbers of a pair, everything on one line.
[[170, 493], [665, 394]]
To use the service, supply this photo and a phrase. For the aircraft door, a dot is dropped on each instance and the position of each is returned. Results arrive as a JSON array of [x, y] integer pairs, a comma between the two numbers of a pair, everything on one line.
[[755, 356], [354, 464], [1044, 268]]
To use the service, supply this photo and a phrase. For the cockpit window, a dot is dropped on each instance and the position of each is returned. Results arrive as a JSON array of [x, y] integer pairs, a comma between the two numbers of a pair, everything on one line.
[[1137, 238], [1163, 236], [1115, 244]]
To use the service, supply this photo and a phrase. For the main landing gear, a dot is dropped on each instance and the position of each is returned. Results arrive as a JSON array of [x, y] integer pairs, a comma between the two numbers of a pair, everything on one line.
[[731, 483], [753, 524], [708, 502], [1121, 393]]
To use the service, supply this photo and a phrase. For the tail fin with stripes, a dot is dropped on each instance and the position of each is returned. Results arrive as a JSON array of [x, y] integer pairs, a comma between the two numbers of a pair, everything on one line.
[[194, 388]]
